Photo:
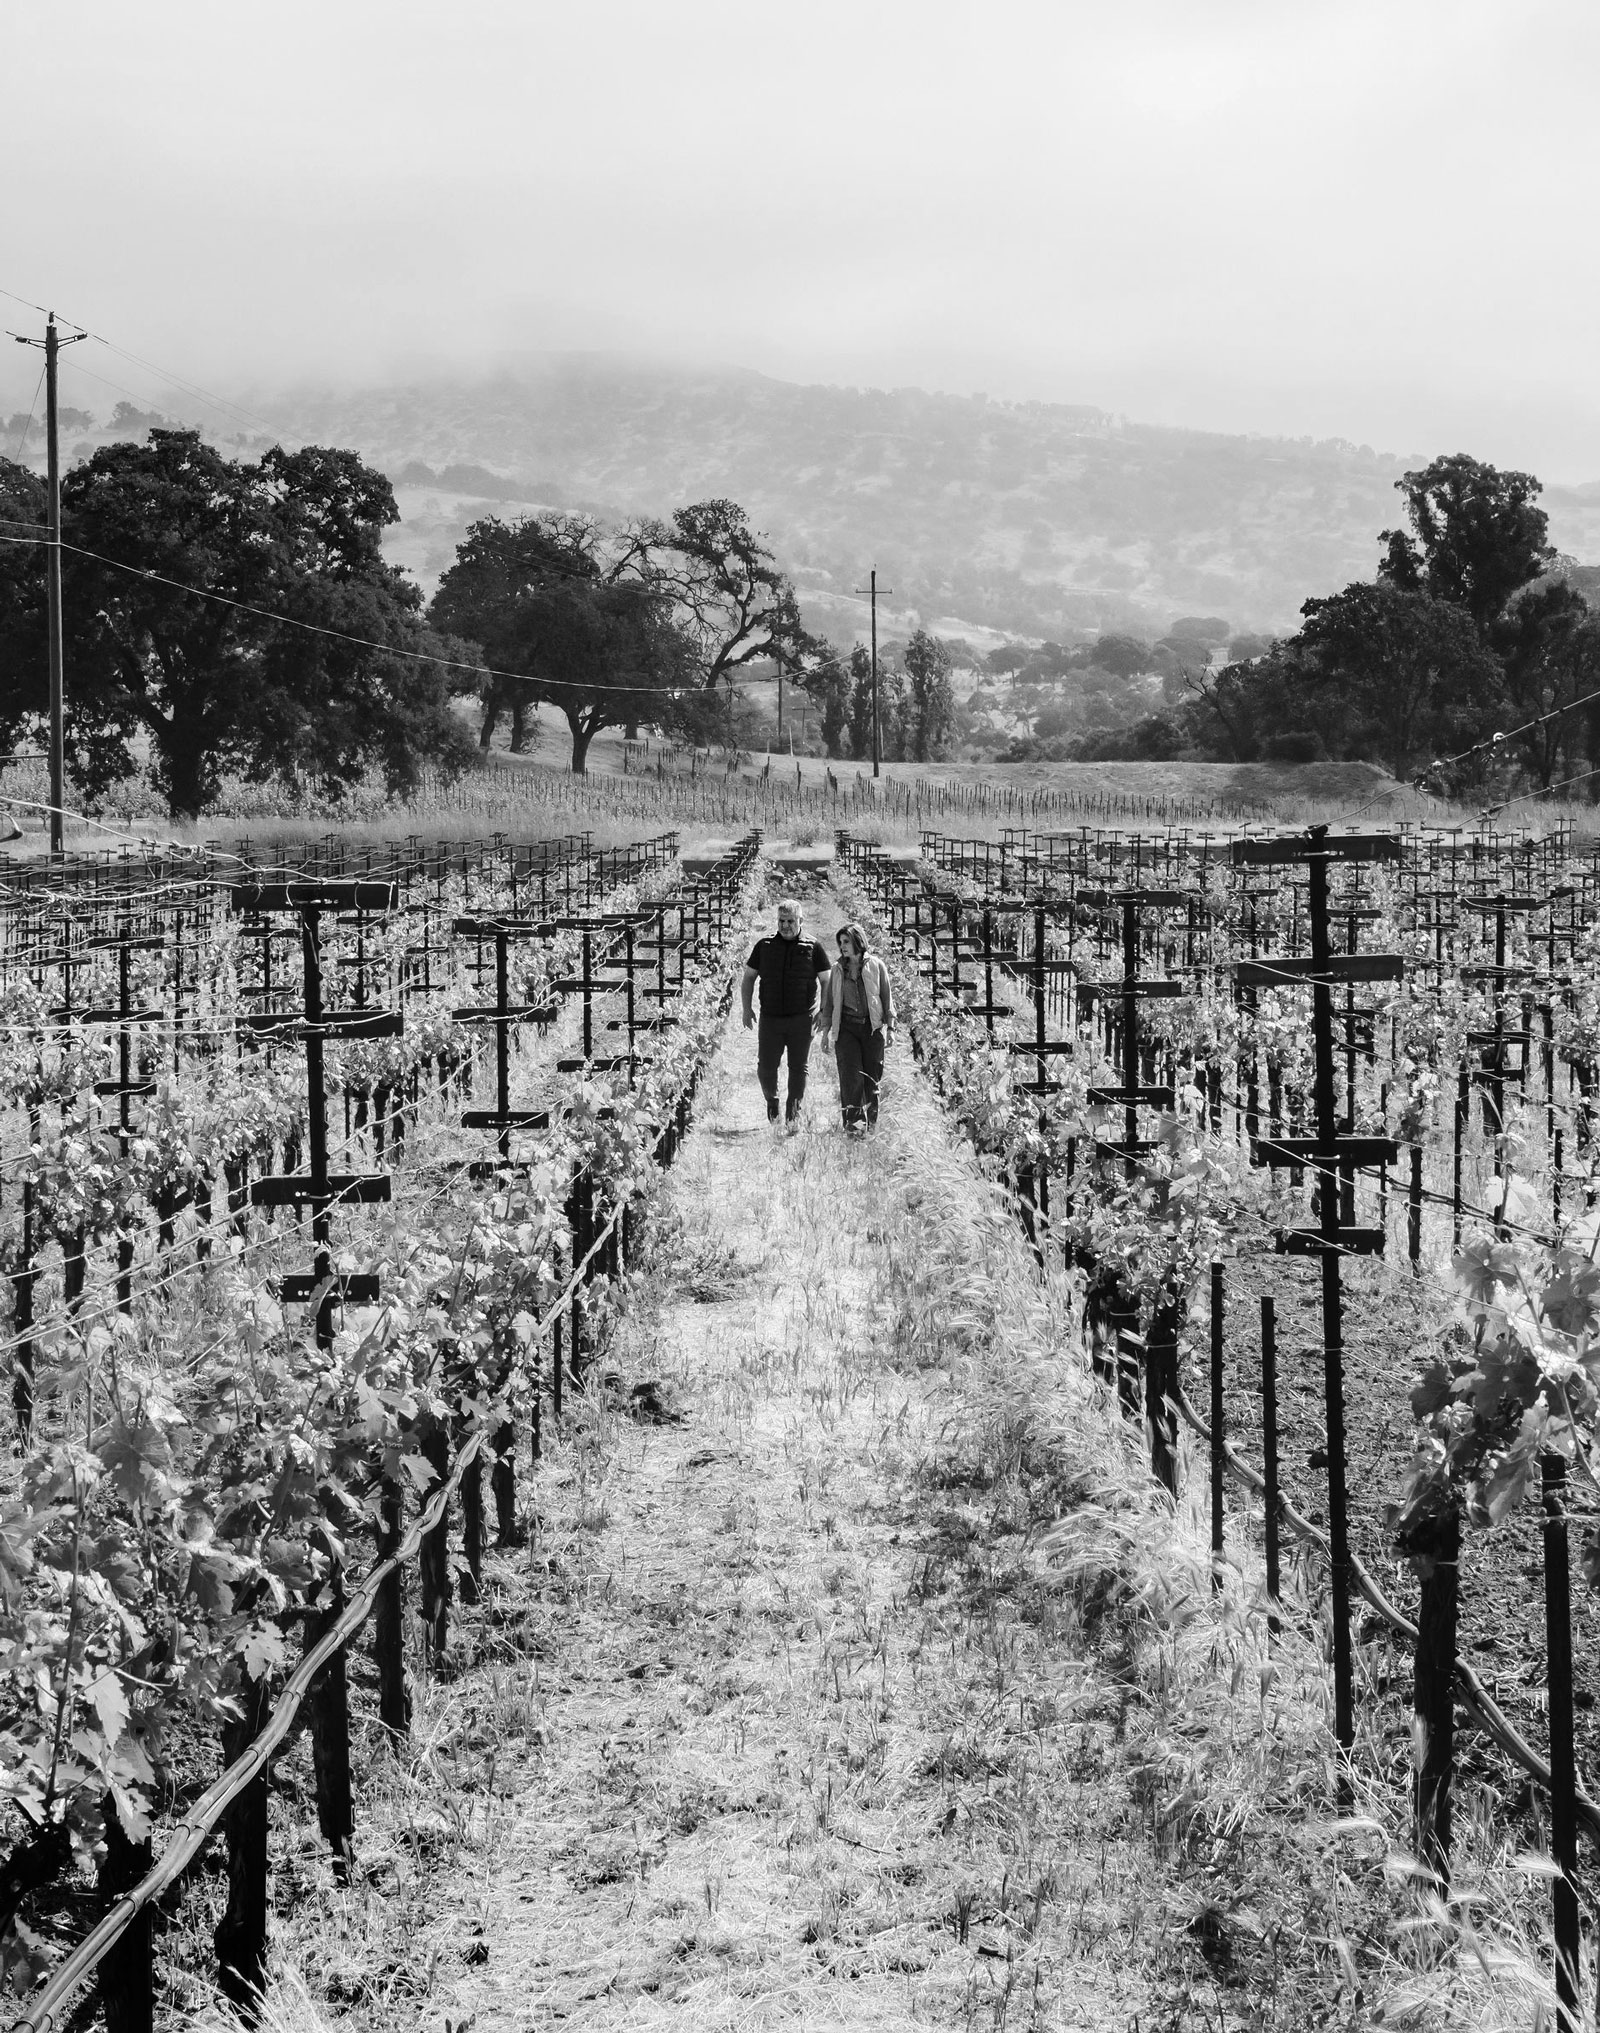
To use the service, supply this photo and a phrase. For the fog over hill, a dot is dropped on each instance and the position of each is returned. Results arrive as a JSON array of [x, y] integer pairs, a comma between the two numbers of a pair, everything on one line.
[[1034, 518]]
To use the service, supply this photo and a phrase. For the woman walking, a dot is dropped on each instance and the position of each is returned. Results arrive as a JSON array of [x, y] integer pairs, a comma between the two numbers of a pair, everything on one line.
[[858, 1011]]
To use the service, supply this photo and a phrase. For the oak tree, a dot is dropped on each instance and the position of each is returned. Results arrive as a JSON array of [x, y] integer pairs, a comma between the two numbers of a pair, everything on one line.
[[730, 599], [228, 616], [564, 616], [1402, 672], [1549, 648]]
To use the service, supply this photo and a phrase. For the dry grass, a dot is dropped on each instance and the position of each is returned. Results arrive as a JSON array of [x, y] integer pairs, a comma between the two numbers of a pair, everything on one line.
[[532, 797]]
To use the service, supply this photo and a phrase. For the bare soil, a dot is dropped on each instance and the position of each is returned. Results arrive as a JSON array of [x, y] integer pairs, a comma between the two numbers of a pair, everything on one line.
[[1395, 1320]]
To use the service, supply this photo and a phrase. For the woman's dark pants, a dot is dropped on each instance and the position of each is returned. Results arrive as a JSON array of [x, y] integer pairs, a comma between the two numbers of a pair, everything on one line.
[[858, 1052]]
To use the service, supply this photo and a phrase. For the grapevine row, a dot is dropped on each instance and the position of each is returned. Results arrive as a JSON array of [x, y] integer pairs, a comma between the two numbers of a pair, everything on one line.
[[201, 1453], [1152, 957]]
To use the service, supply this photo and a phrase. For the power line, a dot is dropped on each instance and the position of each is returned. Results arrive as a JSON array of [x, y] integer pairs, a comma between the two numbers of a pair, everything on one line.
[[134, 395], [29, 304], [236, 409], [28, 426], [1545, 790], [368, 642], [228, 407], [1490, 743], [1510, 734]]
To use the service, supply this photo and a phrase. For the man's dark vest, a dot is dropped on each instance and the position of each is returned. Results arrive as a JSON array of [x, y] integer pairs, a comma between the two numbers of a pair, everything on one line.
[[788, 969]]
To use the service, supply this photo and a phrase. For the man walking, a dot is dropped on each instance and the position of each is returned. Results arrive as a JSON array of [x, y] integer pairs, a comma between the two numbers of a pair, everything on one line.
[[786, 966]]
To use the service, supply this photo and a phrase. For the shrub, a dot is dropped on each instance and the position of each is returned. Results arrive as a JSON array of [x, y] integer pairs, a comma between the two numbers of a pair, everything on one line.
[[1298, 747]]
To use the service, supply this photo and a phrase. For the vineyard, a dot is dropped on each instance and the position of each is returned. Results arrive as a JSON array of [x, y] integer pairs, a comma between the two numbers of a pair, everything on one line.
[[1340, 1074], [331, 1187], [318, 1180], [732, 790]]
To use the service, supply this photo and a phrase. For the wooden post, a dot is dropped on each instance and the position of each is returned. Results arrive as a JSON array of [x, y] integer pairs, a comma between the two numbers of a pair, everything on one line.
[[1563, 1763], [1332, 1316], [72, 1269], [433, 1564], [1414, 1207], [1269, 1445], [1130, 1364], [388, 1634], [329, 1706], [241, 1935], [22, 1319], [582, 1240], [556, 1355], [1218, 1465], [126, 1980], [472, 1529], [1434, 1696], [503, 1478], [1161, 1376]]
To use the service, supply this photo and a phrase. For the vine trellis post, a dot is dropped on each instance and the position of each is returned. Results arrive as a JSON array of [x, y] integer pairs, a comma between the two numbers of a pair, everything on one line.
[[317, 1187], [1335, 1158]]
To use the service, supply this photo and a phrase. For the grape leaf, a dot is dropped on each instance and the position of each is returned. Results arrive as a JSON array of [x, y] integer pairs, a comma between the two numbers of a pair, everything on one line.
[[1508, 1481], [110, 1704], [263, 1649], [1483, 1265], [1571, 1300], [1432, 1393]]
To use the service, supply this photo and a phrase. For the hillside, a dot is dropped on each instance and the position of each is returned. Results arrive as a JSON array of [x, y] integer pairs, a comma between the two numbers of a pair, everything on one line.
[[1036, 518], [1033, 518]]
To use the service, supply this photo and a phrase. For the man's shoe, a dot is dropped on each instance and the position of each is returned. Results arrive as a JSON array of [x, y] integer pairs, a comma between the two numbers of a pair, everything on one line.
[[772, 1111], [792, 1126]]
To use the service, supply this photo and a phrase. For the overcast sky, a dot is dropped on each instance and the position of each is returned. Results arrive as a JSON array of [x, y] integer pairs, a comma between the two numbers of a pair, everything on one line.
[[1304, 216]]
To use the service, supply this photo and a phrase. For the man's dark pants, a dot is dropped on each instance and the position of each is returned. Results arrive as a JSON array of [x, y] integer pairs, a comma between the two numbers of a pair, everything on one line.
[[774, 1037]]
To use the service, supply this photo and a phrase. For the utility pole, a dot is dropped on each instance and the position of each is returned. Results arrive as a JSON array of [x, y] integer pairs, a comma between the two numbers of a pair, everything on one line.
[[52, 342], [871, 589], [778, 658]]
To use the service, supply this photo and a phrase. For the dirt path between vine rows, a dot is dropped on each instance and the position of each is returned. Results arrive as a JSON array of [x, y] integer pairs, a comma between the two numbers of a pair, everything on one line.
[[854, 1673], [773, 1787], [814, 1747]]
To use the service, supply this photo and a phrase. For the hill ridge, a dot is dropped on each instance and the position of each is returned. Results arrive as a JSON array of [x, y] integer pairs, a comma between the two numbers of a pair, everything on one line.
[[1025, 516]]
